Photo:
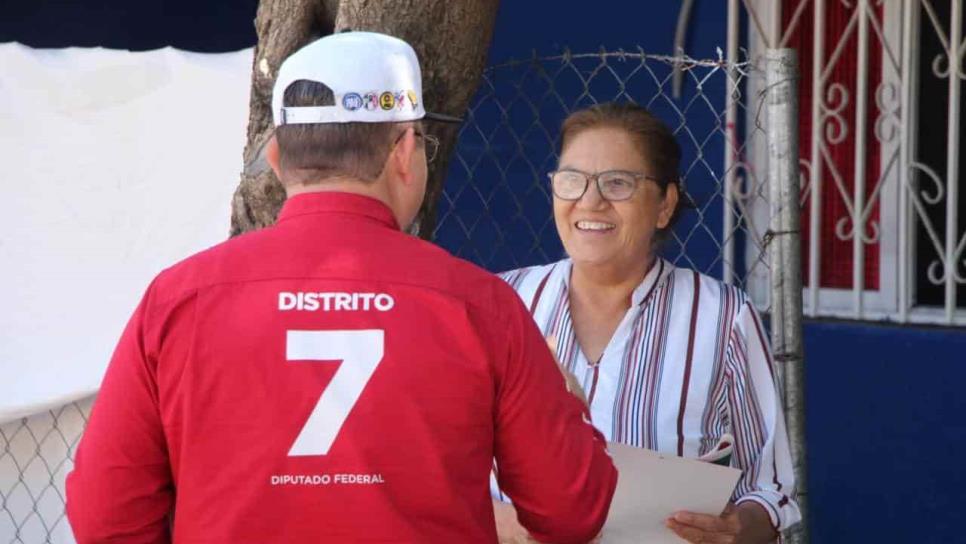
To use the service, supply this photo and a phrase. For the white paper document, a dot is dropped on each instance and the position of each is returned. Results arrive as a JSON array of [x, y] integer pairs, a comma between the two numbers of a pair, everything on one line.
[[652, 487]]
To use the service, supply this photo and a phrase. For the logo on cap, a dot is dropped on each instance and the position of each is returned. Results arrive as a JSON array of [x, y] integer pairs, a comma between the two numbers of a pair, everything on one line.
[[412, 98], [371, 101], [352, 101], [387, 101], [400, 100]]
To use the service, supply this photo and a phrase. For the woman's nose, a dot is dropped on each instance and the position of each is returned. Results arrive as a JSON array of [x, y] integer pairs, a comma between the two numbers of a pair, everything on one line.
[[592, 199]]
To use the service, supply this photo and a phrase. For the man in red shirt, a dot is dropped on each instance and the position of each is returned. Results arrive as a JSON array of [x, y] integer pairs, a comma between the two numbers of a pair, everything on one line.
[[332, 378]]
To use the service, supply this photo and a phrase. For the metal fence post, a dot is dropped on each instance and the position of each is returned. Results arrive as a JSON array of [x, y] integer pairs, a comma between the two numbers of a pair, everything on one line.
[[785, 255]]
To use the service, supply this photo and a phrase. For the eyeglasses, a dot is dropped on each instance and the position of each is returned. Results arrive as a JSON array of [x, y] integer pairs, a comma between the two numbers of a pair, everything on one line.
[[613, 185], [432, 145], [431, 142]]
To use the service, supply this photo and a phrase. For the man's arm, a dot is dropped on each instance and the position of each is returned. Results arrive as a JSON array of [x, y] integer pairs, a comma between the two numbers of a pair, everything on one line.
[[120, 488], [552, 463]]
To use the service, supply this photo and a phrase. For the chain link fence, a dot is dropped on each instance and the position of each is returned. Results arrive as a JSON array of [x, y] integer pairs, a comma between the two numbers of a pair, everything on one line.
[[496, 206], [36, 454], [496, 211]]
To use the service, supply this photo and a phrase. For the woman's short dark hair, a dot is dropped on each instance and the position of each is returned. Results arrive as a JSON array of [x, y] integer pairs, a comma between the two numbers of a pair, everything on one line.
[[655, 141], [312, 152]]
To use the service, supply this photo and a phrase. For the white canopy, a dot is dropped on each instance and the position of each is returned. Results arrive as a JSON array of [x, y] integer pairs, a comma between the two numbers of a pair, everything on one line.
[[114, 165]]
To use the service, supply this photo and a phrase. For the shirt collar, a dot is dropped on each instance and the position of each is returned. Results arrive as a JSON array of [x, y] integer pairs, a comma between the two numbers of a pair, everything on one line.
[[324, 202], [659, 270]]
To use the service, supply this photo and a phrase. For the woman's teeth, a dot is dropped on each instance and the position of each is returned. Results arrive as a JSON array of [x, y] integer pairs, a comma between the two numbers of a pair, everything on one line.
[[594, 225]]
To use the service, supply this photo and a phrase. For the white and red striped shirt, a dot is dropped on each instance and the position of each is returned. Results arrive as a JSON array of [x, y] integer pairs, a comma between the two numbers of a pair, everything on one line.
[[688, 363]]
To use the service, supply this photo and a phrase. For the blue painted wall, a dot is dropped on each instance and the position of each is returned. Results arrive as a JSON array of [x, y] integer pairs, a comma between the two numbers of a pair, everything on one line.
[[586, 26], [886, 432], [193, 25]]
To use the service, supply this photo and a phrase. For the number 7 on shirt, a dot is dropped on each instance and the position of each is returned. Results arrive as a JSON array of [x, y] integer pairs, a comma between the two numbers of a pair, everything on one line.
[[361, 352]]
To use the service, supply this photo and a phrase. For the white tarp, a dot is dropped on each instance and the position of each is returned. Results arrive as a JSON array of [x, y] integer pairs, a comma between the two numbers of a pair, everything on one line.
[[114, 165]]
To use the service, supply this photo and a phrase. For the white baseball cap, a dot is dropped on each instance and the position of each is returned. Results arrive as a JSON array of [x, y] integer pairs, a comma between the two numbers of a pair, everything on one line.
[[374, 78]]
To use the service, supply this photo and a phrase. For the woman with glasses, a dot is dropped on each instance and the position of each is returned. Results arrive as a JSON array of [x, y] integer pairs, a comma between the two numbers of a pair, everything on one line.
[[670, 360]]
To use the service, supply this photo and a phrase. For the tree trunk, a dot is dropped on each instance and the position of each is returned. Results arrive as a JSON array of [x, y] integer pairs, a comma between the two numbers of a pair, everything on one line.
[[451, 39]]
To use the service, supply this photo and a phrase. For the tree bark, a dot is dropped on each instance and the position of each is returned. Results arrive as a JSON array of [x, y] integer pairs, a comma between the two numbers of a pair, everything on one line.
[[450, 38]]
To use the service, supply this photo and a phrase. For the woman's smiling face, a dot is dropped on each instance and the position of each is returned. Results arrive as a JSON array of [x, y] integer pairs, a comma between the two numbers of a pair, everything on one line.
[[596, 231]]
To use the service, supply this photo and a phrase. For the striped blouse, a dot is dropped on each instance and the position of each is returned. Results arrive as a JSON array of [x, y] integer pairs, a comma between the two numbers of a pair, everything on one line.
[[688, 363]]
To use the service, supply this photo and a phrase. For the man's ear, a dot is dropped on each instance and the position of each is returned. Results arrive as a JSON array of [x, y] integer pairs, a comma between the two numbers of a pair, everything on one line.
[[400, 158], [273, 156]]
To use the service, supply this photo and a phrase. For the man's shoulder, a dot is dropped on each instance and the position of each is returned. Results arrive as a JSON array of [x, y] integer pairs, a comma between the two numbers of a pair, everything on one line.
[[461, 277], [204, 268], [407, 259]]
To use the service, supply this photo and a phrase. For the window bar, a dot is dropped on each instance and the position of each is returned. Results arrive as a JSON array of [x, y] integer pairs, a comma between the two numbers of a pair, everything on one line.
[[731, 146], [815, 172], [776, 25], [905, 177], [861, 112], [952, 155]]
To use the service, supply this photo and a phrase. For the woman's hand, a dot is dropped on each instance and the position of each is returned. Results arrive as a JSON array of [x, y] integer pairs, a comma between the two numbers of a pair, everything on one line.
[[743, 524], [705, 529]]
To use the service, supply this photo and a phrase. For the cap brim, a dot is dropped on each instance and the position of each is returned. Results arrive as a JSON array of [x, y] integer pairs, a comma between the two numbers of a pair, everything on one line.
[[442, 117]]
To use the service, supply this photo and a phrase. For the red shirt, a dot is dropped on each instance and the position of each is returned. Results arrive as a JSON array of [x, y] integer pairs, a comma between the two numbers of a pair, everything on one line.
[[333, 379]]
